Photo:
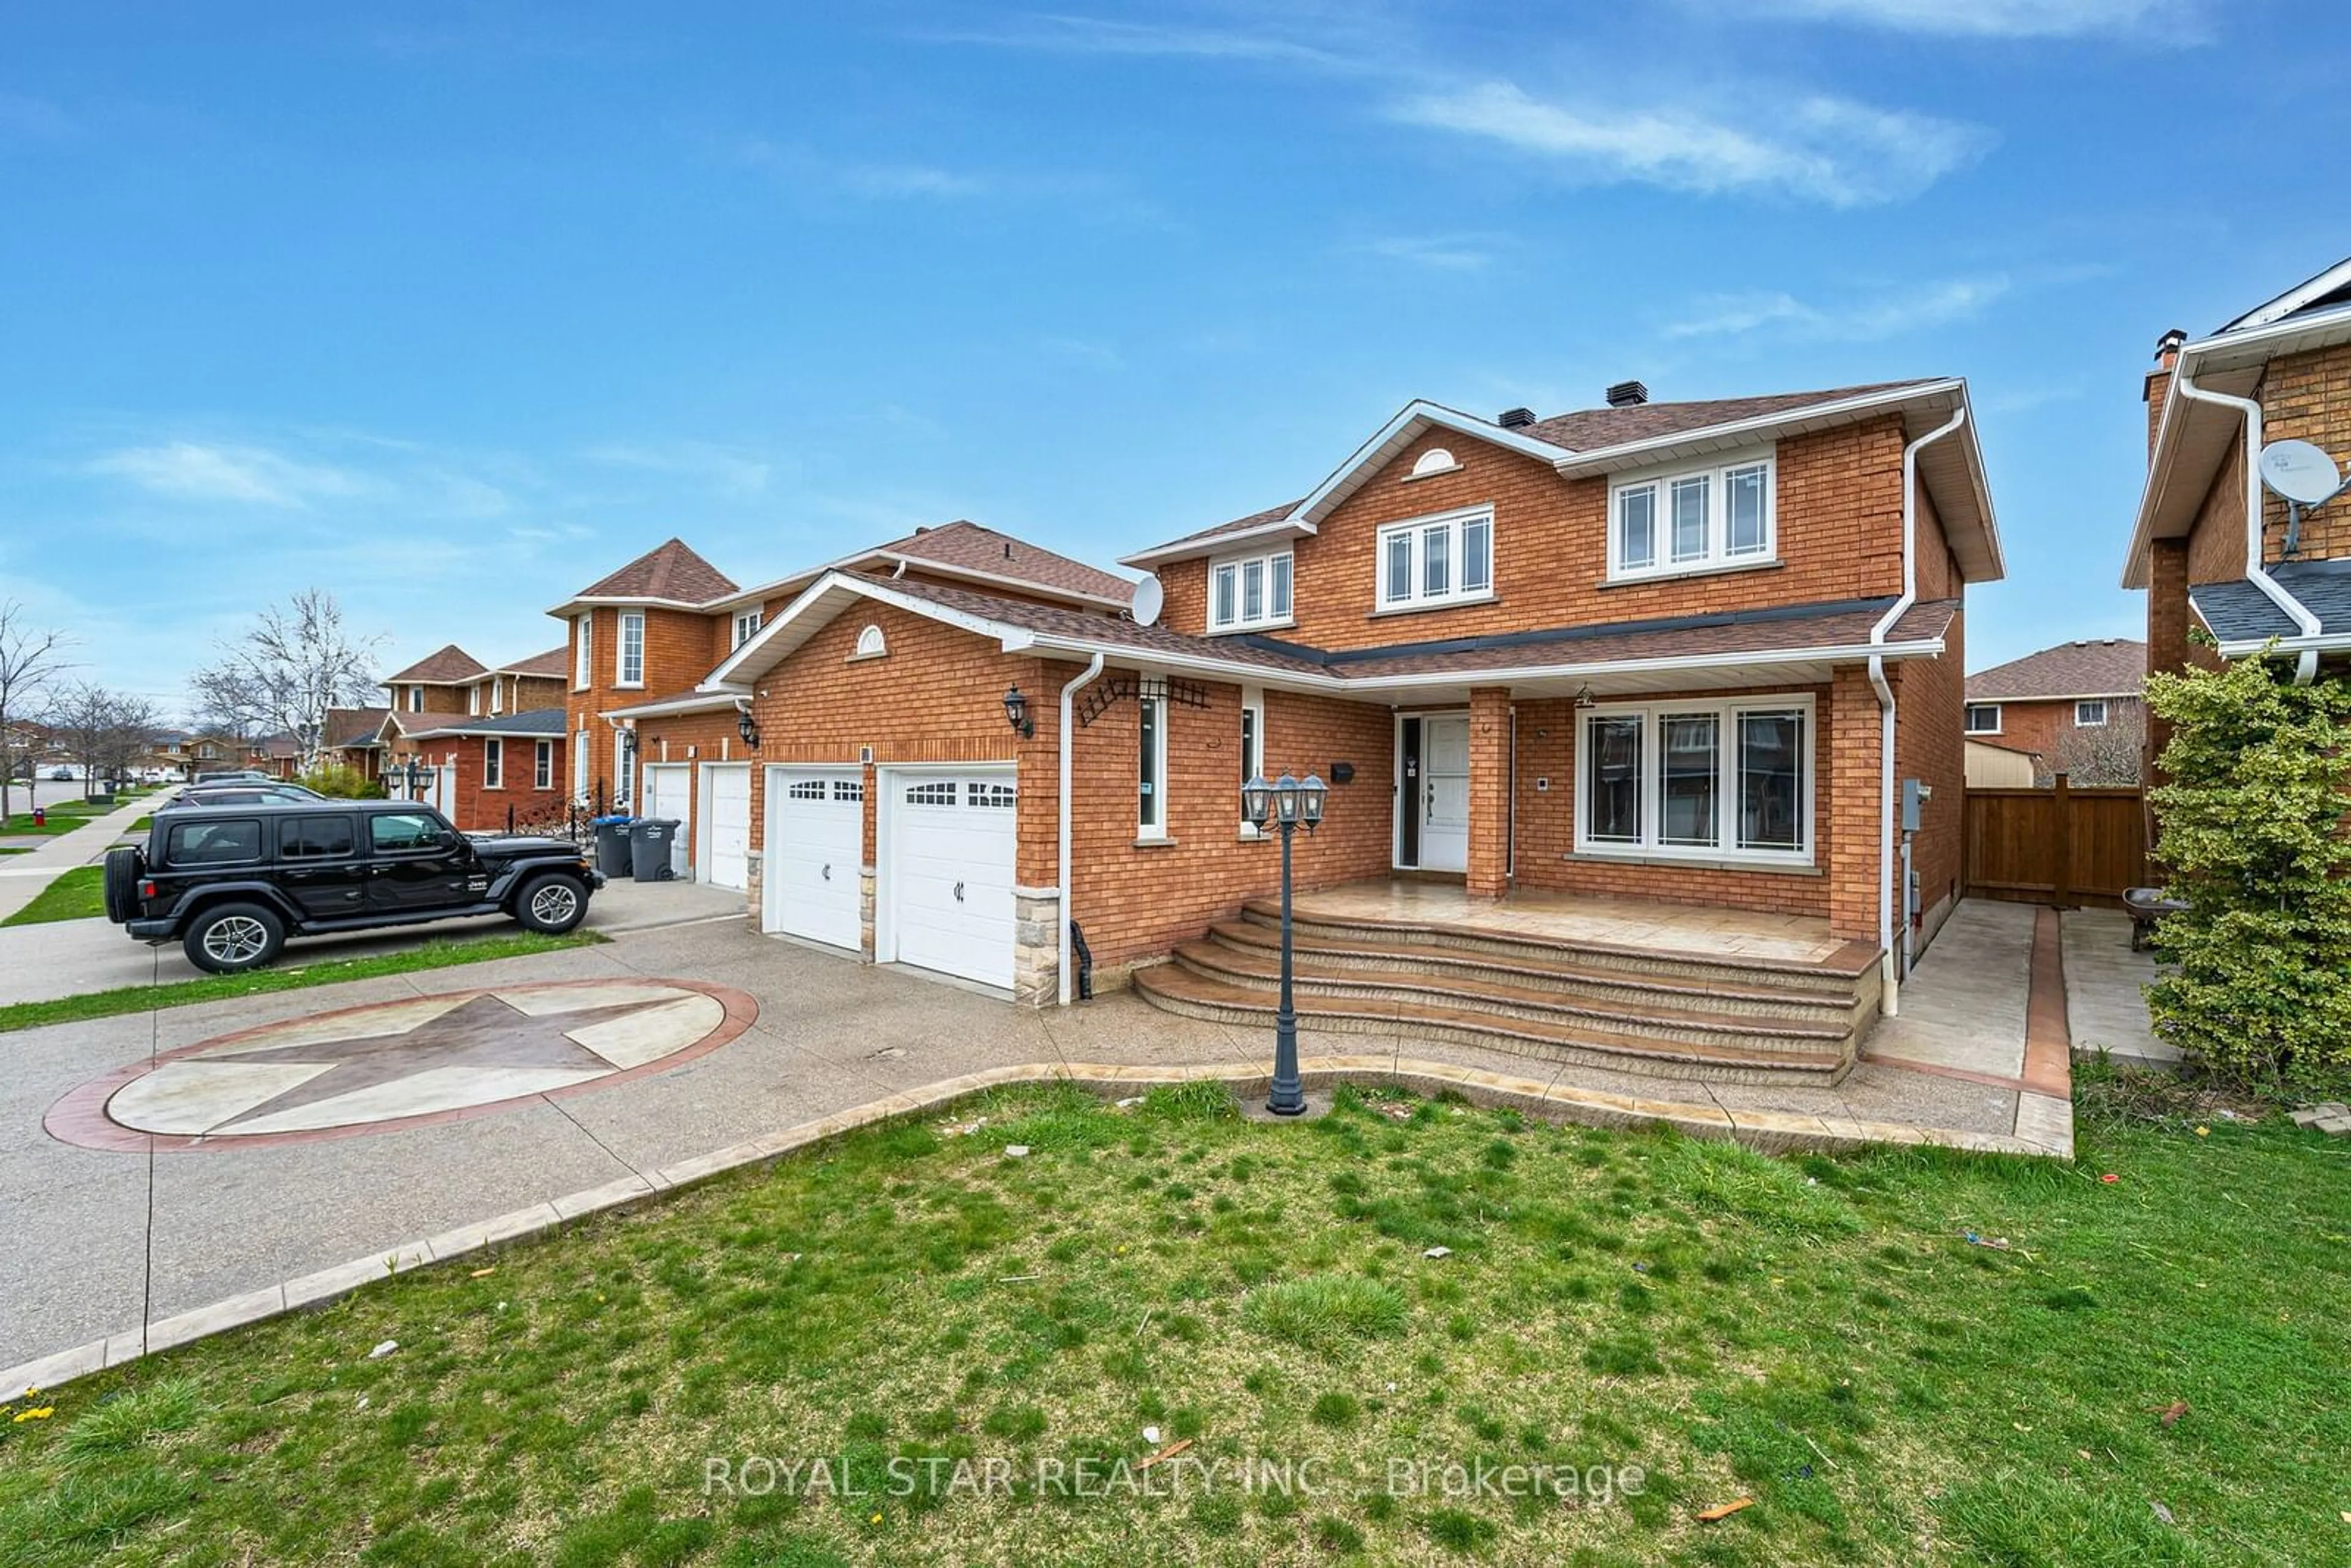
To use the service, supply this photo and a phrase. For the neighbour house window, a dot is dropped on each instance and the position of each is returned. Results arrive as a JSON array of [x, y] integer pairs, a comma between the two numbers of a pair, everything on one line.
[[621, 792], [1713, 780], [474, 700], [579, 764], [493, 763], [1252, 742], [1448, 559], [1254, 592], [416, 699], [1983, 718], [747, 623], [1719, 516], [1151, 768], [2090, 715], [629, 668], [542, 769], [583, 643]]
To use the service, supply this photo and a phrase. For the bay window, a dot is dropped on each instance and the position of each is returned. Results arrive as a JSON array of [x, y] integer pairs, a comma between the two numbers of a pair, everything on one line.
[[1448, 559], [1705, 519], [1721, 780], [1253, 592]]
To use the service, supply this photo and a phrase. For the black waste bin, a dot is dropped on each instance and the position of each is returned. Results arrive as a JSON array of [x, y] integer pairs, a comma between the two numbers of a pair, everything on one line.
[[649, 839], [612, 845]]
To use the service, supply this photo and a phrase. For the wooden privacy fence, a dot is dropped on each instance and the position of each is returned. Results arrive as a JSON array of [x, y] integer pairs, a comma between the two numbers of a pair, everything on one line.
[[2061, 846]]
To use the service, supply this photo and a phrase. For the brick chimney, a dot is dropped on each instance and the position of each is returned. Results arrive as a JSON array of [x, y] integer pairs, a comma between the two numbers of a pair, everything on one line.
[[2158, 382]]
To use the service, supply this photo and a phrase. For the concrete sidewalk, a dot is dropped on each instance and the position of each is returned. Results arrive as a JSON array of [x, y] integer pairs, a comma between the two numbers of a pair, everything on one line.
[[22, 877]]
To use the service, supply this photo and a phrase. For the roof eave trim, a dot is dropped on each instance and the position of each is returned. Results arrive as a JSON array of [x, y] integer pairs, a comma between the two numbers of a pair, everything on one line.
[[1216, 544], [732, 678], [705, 699], [1601, 459]]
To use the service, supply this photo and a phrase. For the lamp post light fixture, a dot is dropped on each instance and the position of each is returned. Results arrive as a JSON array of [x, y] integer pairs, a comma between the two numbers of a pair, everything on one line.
[[1287, 805], [1016, 711]]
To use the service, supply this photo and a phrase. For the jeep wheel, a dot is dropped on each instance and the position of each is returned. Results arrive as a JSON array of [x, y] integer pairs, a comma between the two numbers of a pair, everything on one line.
[[553, 904], [124, 867], [233, 938]]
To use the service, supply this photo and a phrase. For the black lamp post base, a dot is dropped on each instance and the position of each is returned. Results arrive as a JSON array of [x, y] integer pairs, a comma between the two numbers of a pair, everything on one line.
[[1316, 1104]]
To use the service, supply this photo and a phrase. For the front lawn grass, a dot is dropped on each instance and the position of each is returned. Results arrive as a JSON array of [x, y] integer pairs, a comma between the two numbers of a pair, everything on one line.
[[75, 894], [1818, 1335], [441, 952], [59, 820]]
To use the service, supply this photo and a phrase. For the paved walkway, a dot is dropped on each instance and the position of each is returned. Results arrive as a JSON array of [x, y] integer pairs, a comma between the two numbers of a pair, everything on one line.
[[22, 877], [2106, 990], [833, 1042]]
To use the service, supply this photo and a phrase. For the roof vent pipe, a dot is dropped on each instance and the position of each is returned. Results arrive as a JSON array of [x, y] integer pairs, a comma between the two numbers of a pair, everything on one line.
[[1627, 394], [1516, 418]]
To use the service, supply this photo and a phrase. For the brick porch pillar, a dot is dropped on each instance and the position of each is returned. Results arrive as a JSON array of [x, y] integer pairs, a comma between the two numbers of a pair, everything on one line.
[[1490, 791], [1847, 800], [2167, 631]]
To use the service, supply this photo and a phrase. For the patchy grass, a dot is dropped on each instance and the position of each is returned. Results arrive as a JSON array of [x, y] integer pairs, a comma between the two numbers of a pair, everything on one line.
[[75, 894], [439, 953], [1816, 1334]]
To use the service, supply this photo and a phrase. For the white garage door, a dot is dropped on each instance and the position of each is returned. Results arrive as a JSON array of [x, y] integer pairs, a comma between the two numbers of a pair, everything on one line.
[[948, 872], [816, 844], [724, 824], [669, 792]]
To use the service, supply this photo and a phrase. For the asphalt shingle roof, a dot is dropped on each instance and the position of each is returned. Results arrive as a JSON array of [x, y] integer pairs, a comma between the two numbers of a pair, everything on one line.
[[2096, 667], [535, 722], [444, 667], [354, 726], [669, 571], [554, 661], [968, 547], [2237, 612]]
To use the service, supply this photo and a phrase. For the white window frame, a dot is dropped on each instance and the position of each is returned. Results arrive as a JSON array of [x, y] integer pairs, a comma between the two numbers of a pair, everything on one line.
[[622, 795], [493, 763], [542, 765], [1418, 596], [1234, 571], [1253, 747], [583, 650], [416, 699], [1718, 555], [629, 619], [1151, 767], [579, 765], [1727, 714], [2098, 723], [747, 625], [1967, 719]]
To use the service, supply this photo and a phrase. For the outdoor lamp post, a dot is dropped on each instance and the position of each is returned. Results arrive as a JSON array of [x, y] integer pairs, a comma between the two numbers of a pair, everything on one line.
[[1287, 806]]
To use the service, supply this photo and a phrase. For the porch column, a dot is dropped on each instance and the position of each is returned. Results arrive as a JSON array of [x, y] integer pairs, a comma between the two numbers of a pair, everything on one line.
[[1847, 800], [1490, 791]]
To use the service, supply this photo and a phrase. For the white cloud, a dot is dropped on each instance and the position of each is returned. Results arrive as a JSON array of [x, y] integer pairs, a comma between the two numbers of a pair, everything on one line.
[[721, 470], [1819, 149], [2177, 21], [1441, 253], [245, 475], [1101, 36], [1866, 319]]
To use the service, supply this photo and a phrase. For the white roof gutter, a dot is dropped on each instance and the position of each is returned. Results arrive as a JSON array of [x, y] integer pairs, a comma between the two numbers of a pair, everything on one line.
[[2306, 664]]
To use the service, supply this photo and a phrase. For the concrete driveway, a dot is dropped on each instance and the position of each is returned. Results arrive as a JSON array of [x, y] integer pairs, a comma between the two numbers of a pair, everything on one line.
[[67, 957]]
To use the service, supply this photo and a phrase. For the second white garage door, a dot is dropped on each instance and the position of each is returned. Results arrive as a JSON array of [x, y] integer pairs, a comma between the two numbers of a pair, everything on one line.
[[669, 792], [722, 825], [816, 848], [947, 871]]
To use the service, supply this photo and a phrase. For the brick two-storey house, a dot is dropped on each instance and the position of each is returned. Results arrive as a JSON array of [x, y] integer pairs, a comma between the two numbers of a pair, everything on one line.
[[1649, 656], [2213, 546], [2075, 708]]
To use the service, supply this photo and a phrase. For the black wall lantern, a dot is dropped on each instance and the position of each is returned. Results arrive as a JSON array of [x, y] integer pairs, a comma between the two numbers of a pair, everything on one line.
[[1016, 711], [747, 727]]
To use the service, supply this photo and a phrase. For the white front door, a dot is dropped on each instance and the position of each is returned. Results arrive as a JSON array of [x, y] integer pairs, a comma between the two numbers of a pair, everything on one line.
[[1445, 793], [947, 872], [816, 848], [669, 792], [724, 824]]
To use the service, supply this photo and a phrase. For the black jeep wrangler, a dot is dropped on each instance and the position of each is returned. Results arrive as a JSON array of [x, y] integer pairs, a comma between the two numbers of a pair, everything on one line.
[[230, 883]]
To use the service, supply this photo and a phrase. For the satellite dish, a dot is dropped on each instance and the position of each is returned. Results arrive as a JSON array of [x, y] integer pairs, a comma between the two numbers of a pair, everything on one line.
[[2300, 471], [1149, 600]]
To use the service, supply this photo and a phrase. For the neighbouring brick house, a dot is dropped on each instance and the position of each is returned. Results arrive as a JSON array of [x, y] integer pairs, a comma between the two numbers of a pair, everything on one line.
[[645, 732], [2213, 546], [2075, 708], [1649, 652], [505, 771]]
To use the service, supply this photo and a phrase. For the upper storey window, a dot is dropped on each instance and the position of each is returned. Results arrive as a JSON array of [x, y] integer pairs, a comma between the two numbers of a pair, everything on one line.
[[1251, 592], [1448, 559], [1698, 519]]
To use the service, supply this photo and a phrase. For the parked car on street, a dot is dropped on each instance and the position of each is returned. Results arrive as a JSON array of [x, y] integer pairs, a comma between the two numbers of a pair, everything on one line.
[[231, 884], [231, 776], [238, 794]]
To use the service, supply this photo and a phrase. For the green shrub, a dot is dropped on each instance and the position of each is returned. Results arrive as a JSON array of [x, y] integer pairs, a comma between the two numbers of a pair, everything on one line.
[[2250, 829], [342, 783]]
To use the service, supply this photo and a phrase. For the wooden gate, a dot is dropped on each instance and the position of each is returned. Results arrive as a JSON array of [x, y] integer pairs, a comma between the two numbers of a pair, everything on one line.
[[2061, 846]]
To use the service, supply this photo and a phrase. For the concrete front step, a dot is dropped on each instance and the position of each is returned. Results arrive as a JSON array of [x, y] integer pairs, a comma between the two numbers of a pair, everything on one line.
[[1396, 990], [1849, 973], [1179, 989], [1562, 977]]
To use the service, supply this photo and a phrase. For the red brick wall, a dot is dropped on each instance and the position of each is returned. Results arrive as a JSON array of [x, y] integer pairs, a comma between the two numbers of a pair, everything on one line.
[[479, 808], [2306, 397], [1929, 746]]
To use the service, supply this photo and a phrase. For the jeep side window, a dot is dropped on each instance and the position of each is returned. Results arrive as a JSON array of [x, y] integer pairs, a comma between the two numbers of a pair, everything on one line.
[[216, 843], [314, 838], [404, 833]]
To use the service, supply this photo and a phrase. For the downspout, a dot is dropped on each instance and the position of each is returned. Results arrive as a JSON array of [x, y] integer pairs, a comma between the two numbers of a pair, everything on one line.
[[1890, 972], [1068, 693], [2305, 667]]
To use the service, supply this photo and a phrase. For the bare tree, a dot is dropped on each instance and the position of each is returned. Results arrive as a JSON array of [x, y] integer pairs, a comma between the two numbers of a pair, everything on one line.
[[296, 663], [107, 732], [2109, 753], [30, 663]]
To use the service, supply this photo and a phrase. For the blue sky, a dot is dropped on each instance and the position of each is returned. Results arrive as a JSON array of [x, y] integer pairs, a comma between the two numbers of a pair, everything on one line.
[[452, 309]]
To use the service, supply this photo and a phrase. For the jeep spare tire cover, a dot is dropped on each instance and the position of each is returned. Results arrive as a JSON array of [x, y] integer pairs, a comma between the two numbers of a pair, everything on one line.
[[123, 869]]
